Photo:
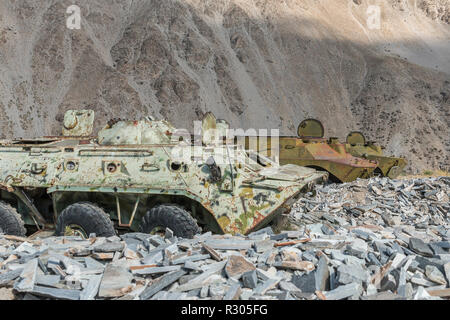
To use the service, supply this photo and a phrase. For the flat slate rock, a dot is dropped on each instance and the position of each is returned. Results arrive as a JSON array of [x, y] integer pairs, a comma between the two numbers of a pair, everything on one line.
[[109, 247], [420, 247], [343, 292], [237, 266], [54, 293], [7, 277], [116, 282], [161, 283], [374, 239]]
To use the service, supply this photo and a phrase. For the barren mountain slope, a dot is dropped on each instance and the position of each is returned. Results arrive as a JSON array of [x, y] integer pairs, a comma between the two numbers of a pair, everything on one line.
[[256, 63]]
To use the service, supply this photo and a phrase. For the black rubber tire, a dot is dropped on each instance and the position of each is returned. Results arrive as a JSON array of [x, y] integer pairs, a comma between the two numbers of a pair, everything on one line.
[[378, 173], [170, 216], [11, 222], [88, 216]]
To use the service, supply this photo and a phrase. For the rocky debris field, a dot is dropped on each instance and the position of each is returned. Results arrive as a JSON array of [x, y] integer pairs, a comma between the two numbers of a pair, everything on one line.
[[370, 239]]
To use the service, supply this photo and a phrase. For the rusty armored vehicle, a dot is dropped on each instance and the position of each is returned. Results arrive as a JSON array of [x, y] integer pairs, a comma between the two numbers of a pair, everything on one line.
[[387, 166], [311, 149], [139, 176]]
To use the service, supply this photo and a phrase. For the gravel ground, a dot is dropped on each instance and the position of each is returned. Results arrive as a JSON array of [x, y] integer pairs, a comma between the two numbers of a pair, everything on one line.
[[374, 239]]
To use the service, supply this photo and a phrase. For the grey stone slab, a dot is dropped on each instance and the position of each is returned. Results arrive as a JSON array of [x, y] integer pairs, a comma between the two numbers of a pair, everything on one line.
[[266, 230], [388, 283], [386, 295], [447, 271], [108, 247], [437, 249], [198, 281], [402, 290], [327, 230], [420, 247], [116, 282], [229, 244], [89, 271], [156, 270], [306, 283], [397, 261], [63, 294], [218, 290], [48, 280], [278, 237], [435, 275], [92, 263], [350, 273], [250, 279], [443, 257], [57, 270], [353, 260], [263, 257], [189, 265], [343, 291], [262, 288], [322, 275], [420, 280], [237, 265], [264, 245], [333, 283], [288, 286], [7, 277], [91, 290], [422, 262], [192, 258], [204, 292], [443, 244], [154, 257], [30, 297], [27, 277], [337, 255], [356, 251], [42, 266], [372, 258], [161, 283]]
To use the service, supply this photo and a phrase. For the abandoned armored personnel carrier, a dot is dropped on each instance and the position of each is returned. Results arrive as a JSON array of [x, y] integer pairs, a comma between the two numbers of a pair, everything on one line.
[[311, 149], [139, 176], [387, 166]]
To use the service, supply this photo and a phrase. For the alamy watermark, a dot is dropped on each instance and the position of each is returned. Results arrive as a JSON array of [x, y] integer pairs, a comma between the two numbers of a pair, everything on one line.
[[244, 146], [373, 17], [73, 21]]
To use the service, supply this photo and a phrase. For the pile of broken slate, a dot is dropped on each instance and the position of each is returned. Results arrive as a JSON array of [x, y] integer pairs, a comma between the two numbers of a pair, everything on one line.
[[371, 239]]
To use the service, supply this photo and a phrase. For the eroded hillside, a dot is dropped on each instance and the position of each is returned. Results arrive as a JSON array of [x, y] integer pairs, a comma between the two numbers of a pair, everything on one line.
[[256, 63]]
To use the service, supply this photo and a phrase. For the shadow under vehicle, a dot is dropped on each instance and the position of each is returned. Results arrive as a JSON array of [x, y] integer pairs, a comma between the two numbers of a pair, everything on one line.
[[138, 176]]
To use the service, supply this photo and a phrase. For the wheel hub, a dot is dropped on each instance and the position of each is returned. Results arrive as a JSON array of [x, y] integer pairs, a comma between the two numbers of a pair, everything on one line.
[[75, 230], [158, 230]]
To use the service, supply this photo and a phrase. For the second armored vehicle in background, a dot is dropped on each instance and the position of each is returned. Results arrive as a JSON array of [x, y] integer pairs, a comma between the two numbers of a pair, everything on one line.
[[310, 149], [387, 166]]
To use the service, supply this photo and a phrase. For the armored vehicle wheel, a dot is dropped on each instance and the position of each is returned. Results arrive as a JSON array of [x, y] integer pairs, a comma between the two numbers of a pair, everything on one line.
[[82, 219], [11, 222], [170, 216], [378, 173], [394, 172]]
